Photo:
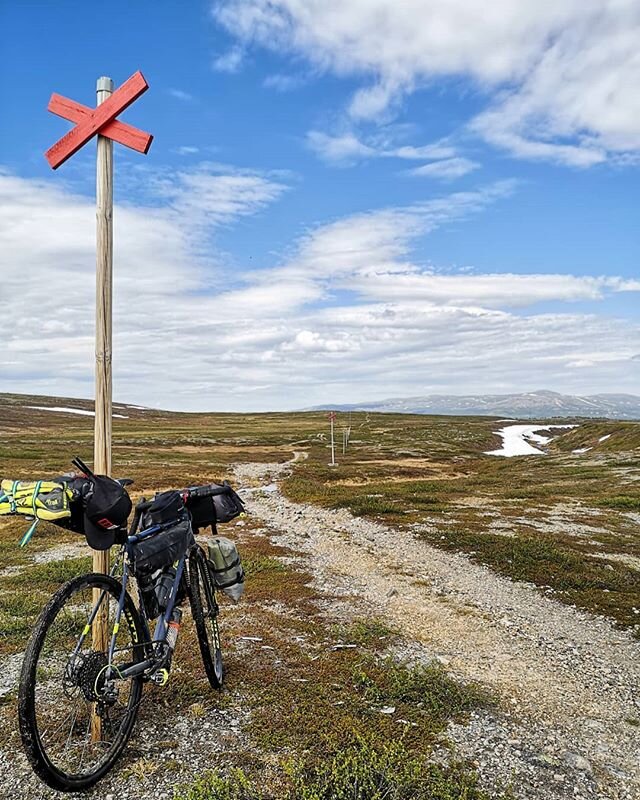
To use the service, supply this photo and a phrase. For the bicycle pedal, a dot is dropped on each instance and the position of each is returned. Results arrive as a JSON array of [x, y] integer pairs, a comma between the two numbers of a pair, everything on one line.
[[160, 677]]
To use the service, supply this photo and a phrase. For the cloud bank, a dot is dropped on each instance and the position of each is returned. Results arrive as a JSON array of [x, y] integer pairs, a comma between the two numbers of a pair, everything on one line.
[[347, 315], [560, 79]]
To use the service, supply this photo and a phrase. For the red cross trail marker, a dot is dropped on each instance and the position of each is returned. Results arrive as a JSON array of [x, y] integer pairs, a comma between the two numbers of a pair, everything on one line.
[[98, 120], [118, 131], [101, 121]]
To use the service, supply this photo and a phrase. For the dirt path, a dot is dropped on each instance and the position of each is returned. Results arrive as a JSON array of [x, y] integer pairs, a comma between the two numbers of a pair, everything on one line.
[[569, 683]]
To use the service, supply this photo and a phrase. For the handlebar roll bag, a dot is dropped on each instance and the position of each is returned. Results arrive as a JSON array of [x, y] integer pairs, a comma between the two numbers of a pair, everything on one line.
[[166, 507], [206, 511]]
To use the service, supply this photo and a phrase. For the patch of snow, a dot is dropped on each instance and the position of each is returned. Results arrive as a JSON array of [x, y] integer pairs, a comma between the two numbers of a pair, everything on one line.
[[516, 440], [65, 410], [604, 438], [582, 450]]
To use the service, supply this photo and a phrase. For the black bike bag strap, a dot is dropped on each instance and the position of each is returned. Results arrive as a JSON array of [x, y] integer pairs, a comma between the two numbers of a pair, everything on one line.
[[233, 581], [235, 563], [165, 507]]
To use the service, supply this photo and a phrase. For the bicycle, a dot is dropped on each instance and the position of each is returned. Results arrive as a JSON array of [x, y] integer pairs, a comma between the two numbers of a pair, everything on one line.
[[66, 684]]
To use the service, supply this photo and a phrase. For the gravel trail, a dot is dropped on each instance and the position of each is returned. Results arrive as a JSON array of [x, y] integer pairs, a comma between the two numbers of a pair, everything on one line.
[[569, 683]]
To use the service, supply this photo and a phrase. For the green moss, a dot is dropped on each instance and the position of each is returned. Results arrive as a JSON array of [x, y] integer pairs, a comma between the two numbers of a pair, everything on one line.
[[368, 772], [623, 502], [593, 584], [427, 689], [253, 565], [363, 771], [49, 575], [214, 786]]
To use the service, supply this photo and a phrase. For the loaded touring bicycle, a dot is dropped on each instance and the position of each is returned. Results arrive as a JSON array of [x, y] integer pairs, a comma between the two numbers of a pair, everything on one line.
[[78, 702]]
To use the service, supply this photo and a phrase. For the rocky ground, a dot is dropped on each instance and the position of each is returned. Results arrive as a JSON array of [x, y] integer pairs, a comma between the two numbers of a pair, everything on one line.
[[568, 682]]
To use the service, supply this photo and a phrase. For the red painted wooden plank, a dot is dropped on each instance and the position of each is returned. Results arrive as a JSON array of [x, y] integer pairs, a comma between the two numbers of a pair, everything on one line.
[[106, 112], [118, 131]]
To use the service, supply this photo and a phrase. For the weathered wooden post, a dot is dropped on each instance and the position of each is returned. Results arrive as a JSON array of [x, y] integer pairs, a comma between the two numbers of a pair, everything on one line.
[[104, 296], [332, 417], [101, 121], [103, 344]]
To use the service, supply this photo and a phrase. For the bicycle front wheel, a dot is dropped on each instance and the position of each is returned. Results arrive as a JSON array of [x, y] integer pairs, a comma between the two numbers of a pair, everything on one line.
[[204, 609], [75, 713]]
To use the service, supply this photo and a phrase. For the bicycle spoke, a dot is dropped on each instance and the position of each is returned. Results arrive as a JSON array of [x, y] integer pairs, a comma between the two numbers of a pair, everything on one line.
[[71, 684]]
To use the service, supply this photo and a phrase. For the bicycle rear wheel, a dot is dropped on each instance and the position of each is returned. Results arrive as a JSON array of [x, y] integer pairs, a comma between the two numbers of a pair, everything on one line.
[[59, 687], [204, 608]]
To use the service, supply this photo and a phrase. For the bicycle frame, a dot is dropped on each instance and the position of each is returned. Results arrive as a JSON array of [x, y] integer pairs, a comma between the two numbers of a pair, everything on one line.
[[160, 631]]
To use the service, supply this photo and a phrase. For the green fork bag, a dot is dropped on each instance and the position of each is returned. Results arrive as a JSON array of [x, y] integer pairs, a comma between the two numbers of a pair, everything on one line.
[[226, 567]]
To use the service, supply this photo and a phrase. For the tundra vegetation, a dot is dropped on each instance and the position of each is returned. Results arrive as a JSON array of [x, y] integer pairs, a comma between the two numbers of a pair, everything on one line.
[[312, 681]]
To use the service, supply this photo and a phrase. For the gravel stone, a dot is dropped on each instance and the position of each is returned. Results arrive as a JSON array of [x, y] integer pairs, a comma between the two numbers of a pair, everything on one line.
[[567, 680]]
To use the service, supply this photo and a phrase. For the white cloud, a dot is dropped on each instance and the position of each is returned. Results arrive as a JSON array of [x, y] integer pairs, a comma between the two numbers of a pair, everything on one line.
[[437, 150], [347, 148], [446, 169], [229, 62], [500, 290], [344, 149], [283, 83], [562, 76], [179, 94], [346, 316], [208, 198]]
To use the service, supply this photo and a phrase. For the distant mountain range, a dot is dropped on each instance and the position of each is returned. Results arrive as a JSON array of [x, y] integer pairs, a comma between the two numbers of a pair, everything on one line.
[[527, 404]]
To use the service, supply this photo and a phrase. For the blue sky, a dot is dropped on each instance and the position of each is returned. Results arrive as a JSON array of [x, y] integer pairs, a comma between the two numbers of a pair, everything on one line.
[[350, 200]]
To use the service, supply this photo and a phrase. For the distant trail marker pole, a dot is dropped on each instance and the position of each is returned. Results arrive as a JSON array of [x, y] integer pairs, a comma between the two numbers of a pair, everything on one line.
[[101, 121], [332, 417]]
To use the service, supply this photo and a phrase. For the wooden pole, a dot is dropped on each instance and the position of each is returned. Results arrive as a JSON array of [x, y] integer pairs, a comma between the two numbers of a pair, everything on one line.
[[333, 444], [103, 418]]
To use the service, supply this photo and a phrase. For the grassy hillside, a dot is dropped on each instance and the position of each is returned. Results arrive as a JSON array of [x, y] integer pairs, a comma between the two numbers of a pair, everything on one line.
[[307, 676], [567, 522]]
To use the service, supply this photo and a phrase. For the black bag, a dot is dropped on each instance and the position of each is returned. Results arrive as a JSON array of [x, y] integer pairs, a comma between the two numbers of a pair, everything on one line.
[[207, 511], [80, 488], [163, 548], [166, 507]]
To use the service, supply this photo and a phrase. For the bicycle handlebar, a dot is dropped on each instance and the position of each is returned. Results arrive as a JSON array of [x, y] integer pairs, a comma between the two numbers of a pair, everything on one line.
[[207, 490]]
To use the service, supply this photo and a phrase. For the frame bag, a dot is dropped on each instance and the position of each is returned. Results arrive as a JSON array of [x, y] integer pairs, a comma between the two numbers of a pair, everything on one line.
[[163, 548]]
